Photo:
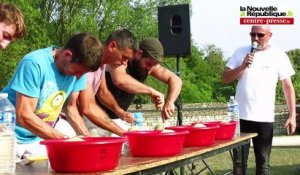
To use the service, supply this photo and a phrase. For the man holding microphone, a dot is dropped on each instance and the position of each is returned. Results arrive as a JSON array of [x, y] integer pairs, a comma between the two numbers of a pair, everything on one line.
[[257, 71]]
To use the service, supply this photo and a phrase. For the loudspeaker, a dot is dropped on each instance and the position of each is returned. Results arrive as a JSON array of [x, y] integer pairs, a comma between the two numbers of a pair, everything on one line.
[[174, 29]]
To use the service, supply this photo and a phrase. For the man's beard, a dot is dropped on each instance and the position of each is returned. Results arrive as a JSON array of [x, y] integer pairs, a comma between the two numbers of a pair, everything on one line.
[[136, 64]]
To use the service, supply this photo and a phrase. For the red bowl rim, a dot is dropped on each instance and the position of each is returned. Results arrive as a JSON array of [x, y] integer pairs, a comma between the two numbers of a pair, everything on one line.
[[87, 141], [228, 123], [154, 133], [216, 122], [191, 127]]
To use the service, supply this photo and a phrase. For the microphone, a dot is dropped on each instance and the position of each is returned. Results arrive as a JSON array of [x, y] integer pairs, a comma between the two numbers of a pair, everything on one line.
[[253, 50], [254, 47]]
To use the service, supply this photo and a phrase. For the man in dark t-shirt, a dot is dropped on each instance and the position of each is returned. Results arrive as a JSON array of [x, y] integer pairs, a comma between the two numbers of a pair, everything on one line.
[[124, 82], [123, 98]]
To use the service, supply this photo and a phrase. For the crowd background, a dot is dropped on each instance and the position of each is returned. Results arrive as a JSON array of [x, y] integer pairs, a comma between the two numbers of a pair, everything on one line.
[[52, 22]]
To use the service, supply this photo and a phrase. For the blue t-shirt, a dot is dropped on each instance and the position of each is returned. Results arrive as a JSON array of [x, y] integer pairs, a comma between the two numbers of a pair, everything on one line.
[[37, 76]]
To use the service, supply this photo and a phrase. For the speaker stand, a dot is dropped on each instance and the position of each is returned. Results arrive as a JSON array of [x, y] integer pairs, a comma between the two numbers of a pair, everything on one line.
[[178, 103]]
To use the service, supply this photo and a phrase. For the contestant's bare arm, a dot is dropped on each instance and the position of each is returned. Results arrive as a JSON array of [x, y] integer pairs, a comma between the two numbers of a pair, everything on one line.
[[74, 116], [174, 87], [94, 113], [107, 99], [26, 117]]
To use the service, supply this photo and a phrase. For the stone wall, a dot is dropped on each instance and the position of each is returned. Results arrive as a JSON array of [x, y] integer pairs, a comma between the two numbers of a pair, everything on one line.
[[203, 112]]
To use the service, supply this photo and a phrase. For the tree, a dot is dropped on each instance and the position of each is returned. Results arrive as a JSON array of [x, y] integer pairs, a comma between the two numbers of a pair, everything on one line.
[[294, 56], [52, 22]]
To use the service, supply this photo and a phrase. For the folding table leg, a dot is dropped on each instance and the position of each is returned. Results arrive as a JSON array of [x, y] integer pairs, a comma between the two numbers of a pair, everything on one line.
[[170, 172], [207, 166]]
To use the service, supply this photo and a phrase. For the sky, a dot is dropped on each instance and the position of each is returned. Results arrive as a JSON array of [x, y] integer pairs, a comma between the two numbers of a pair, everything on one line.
[[218, 22]]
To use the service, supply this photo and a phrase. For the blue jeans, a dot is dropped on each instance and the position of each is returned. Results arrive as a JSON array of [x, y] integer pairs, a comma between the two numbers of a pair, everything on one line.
[[262, 145]]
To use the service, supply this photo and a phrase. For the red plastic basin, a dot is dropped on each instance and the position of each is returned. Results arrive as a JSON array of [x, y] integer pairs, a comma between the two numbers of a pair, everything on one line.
[[155, 143], [208, 122], [198, 136], [91, 155], [226, 130]]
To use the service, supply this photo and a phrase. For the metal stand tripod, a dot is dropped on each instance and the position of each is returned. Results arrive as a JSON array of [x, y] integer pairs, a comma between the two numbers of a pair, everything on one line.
[[178, 103]]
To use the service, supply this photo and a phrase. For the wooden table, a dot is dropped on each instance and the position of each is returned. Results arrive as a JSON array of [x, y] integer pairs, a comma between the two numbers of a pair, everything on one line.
[[152, 165]]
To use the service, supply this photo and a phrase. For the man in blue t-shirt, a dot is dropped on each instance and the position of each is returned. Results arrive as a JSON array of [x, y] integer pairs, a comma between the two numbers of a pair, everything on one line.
[[43, 81]]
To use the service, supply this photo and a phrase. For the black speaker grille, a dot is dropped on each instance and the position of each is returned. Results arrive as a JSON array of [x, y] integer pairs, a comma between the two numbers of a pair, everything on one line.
[[174, 29]]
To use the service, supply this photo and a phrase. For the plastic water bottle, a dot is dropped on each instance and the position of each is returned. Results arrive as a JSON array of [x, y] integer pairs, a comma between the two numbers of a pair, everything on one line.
[[233, 113], [7, 135], [138, 119]]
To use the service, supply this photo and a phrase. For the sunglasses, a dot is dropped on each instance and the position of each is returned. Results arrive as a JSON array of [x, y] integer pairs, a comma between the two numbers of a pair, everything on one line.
[[260, 35]]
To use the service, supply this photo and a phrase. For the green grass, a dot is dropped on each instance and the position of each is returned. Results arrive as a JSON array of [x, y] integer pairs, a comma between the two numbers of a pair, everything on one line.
[[284, 161]]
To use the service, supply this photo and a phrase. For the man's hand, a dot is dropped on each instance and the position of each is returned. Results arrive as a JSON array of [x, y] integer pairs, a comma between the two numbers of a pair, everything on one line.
[[126, 116], [168, 110], [248, 60], [158, 99], [2, 127], [291, 125]]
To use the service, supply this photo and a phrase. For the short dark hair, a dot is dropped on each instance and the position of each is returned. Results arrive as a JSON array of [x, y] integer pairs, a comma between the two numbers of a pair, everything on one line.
[[86, 50], [124, 38], [10, 14]]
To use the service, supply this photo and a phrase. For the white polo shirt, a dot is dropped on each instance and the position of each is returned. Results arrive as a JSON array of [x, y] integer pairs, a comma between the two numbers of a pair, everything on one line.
[[256, 88]]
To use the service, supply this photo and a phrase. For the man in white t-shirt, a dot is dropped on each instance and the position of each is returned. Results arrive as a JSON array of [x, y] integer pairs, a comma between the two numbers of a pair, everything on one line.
[[257, 71]]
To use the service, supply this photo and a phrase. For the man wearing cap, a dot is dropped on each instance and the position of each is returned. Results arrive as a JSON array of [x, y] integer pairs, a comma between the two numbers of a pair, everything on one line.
[[127, 80]]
